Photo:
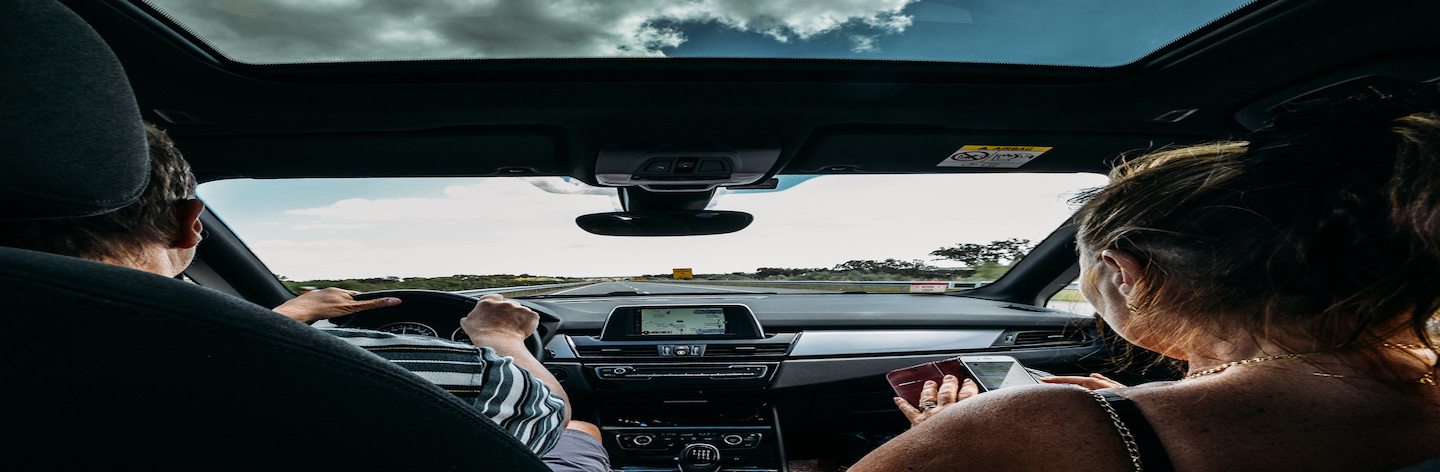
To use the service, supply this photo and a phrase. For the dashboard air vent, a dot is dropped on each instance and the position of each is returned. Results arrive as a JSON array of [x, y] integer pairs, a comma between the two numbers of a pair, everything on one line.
[[625, 350], [1028, 308], [1050, 338], [746, 350]]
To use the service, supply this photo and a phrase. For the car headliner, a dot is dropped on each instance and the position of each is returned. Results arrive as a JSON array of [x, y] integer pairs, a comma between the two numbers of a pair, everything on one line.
[[550, 117]]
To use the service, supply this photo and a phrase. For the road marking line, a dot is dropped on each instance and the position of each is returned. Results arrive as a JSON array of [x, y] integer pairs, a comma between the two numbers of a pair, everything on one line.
[[572, 289], [715, 288]]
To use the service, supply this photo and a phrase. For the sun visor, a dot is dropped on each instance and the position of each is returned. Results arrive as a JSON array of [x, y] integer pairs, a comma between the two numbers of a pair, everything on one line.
[[455, 151], [1391, 75], [875, 149], [685, 164]]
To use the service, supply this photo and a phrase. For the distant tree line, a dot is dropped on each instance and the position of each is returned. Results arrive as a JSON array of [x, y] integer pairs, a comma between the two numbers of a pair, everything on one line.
[[983, 261], [988, 261], [449, 284]]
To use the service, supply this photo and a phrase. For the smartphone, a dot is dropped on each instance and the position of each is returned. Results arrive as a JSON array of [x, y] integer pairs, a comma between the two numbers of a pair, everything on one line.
[[992, 372], [908, 382]]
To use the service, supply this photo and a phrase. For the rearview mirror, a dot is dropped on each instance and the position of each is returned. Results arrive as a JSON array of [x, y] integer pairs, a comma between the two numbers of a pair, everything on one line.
[[664, 223]]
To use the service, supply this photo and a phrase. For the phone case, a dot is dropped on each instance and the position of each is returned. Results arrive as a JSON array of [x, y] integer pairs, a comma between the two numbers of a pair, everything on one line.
[[909, 381]]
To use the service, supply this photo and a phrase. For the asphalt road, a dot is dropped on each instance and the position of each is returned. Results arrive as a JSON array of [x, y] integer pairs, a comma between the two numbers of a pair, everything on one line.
[[649, 288]]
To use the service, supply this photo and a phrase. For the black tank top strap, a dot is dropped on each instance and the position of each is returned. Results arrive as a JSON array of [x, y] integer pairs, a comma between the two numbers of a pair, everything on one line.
[[1152, 453]]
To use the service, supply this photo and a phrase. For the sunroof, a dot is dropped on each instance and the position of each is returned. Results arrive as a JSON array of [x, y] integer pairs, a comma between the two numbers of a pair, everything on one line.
[[1049, 32]]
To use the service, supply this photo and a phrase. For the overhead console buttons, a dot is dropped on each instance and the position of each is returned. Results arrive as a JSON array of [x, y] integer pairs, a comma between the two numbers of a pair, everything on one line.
[[685, 163]]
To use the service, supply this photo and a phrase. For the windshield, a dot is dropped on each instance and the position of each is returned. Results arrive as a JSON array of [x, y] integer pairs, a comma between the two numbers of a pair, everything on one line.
[[836, 233], [1052, 32]]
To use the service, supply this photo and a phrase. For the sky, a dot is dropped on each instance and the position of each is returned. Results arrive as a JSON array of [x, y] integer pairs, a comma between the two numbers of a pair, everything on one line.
[[1060, 32], [352, 228]]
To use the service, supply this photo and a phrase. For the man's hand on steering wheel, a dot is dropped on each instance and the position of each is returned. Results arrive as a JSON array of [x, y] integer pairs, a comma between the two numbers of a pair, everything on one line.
[[318, 305], [494, 316], [504, 325]]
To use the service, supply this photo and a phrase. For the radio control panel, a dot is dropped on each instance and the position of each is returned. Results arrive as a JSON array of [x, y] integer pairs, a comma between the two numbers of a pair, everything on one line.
[[661, 440], [745, 447], [681, 371]]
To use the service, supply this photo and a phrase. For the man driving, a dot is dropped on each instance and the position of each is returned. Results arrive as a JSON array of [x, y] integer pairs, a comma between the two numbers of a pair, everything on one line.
[[498, 375]]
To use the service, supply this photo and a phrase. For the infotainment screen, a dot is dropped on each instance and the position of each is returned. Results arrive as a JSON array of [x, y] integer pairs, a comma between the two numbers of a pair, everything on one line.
[[681, 321]]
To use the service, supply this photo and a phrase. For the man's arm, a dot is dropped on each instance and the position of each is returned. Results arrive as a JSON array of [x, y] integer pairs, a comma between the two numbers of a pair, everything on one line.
[[503, 325], [318, 305], [497, 375], [493, 384]]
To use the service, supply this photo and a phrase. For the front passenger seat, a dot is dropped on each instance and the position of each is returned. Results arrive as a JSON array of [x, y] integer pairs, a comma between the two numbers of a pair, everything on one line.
[[104, 367]]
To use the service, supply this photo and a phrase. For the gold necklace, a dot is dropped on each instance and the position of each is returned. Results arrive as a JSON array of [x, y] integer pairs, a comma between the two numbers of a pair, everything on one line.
[[1253, 360], [1429, 377]]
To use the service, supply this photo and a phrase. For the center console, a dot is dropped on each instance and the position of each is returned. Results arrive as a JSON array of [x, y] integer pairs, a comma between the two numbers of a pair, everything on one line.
[[653, 435], [682, 388]]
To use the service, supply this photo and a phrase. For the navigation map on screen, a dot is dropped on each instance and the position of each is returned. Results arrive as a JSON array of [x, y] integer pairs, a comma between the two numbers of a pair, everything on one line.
[[681, 321]]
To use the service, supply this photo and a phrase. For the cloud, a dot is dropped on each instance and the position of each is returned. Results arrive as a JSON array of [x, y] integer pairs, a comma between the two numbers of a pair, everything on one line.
[[567, 186], [339, 30], [939, 13], [329, 227], [863, 44], [328, 244], [484, 200]]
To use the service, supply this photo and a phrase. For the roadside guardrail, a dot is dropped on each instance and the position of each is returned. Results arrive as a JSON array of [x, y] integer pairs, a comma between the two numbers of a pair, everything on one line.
[[523, 290], [834, 285]]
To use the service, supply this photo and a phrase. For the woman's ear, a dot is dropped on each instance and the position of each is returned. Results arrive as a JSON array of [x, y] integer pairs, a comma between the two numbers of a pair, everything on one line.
[[1126, 269], [187, 218]]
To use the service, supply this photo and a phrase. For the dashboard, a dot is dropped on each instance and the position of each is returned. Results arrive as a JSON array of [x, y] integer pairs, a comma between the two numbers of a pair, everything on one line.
[[759, 377], [659, 373]]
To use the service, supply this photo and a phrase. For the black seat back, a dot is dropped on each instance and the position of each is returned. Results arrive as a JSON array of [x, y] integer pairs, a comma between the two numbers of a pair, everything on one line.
[[104, 367]]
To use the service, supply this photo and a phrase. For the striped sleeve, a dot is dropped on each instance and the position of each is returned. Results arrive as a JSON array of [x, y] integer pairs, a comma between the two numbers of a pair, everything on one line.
[[504, 392]]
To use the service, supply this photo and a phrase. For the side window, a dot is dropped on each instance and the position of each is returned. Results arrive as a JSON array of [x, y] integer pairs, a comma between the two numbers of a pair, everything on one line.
[[1069, 299]]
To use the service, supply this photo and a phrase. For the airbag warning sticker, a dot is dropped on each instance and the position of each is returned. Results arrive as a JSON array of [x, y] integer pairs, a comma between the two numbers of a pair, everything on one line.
[[980, 155]]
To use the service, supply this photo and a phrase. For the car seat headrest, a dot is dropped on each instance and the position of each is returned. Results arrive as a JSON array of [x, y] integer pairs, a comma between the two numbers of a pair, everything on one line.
[[71, 139]]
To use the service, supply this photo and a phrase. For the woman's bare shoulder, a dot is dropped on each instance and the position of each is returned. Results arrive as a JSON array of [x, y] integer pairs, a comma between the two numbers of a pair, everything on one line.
[[1020, 428]]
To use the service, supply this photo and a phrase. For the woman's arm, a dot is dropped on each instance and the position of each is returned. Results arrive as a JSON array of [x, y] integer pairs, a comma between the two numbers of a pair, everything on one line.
[[1042, 427]]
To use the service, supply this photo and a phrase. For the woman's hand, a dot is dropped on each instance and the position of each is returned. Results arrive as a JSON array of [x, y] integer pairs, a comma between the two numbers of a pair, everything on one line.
[[937, 397], [1093, 382]]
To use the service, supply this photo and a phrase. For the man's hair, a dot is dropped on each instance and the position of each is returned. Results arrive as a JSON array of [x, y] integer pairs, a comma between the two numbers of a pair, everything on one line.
[[120, 234]]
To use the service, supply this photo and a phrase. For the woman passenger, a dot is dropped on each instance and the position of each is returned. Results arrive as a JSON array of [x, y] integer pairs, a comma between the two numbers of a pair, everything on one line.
[[1295, 274]]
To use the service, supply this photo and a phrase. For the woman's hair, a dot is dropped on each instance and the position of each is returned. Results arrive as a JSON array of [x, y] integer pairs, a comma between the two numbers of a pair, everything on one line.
[[1326, 224], [118, 235]]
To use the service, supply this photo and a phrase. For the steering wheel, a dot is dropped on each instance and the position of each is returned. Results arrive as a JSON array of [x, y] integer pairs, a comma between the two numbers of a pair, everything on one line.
[[440, 310]]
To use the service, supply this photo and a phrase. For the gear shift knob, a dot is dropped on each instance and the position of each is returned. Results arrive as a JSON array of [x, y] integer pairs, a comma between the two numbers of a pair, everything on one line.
[[699, 457]]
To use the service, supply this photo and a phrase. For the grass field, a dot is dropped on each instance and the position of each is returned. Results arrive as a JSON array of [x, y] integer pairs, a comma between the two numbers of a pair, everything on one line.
[[1068, 296]]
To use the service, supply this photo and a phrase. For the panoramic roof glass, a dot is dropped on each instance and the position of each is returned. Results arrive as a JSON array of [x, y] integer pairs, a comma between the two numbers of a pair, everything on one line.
[[1050, 32]]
